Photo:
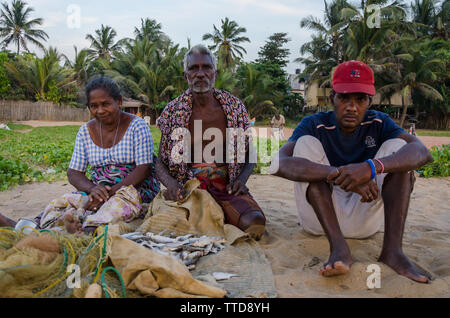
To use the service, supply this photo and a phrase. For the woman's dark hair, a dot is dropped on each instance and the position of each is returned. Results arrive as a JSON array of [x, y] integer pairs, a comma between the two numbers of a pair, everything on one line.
[[105, 83]]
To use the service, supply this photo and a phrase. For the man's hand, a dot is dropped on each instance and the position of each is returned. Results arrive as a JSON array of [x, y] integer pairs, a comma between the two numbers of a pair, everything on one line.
[[237, 188], [175, 193], [368, 191], [351, 176]]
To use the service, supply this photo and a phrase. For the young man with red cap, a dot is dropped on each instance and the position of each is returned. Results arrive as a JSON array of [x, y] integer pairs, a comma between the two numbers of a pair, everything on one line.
[[353, 167]]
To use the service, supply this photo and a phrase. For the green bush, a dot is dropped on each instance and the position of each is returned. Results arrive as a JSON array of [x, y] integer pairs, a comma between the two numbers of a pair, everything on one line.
[[13, 172], [440, 166], [265, 156]]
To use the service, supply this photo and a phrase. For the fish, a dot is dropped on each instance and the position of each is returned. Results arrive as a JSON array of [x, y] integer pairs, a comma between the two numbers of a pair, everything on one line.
[[159, 238], [188, 249], [223, 276]]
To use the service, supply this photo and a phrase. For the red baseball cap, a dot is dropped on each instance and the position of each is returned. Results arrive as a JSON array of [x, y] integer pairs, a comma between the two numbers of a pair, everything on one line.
[[353, 77]]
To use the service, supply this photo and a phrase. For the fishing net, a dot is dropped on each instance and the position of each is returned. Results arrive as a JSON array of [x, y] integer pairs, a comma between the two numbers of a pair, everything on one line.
[[40, 264]]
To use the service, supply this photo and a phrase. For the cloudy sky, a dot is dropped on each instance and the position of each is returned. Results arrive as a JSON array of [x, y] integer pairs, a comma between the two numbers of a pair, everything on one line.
[[180, 20]]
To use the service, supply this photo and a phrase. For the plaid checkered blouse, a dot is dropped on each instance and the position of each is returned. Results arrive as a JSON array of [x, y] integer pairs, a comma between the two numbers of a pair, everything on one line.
[[136, 146]]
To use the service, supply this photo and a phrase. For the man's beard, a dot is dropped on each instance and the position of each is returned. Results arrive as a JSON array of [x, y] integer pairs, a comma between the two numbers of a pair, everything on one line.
[[201, 89]]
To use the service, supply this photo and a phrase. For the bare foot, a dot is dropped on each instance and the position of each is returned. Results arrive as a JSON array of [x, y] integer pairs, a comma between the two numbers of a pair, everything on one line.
[[403, 266], [253, 223], [339, 262], [72, 224]]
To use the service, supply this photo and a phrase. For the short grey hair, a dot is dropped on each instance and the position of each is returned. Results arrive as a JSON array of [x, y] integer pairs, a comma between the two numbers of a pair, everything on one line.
[[199, 49]]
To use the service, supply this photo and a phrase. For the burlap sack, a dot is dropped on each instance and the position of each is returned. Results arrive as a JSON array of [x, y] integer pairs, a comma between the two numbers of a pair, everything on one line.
[[198, 214], [154, 274]]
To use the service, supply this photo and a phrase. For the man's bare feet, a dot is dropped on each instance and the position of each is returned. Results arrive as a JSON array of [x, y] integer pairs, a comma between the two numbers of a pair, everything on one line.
[[253, 223], [403, 266], [339, 262], [72, 224]]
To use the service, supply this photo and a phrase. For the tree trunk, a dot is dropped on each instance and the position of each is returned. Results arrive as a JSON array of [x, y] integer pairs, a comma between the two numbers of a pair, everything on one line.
[[18, 47], [404, 110]]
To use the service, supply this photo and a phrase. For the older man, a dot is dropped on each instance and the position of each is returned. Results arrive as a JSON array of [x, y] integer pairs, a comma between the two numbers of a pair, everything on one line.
[[200, 114], [351, 166]]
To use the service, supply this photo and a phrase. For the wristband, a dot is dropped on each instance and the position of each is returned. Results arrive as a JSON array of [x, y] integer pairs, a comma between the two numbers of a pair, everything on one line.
[[372, 167], [381, 164]]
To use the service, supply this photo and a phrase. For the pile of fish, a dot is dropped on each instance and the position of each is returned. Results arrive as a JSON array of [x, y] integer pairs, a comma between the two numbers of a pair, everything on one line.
[[188, 248]]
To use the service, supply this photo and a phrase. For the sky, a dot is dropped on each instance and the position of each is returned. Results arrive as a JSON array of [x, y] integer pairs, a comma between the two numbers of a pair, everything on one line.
[[179, 19]]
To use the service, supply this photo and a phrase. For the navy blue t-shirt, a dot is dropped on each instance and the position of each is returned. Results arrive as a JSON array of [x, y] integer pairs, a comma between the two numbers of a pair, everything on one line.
[[341, 148]]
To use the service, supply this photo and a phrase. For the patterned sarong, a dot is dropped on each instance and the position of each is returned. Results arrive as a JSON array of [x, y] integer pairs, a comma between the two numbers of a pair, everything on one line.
[[113, 174], [214, 179], [124, 206]]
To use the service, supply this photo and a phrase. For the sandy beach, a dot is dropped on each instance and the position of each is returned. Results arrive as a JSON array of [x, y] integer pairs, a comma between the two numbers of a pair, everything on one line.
[[296, 256]]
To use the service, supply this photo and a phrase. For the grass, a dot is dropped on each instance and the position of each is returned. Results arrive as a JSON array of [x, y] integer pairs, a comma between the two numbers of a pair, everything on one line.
[[13, 126], [435, 133], [42, 154]]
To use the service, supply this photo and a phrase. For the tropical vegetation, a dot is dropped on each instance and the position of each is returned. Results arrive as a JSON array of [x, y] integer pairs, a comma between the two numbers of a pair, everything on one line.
[[407, 47]]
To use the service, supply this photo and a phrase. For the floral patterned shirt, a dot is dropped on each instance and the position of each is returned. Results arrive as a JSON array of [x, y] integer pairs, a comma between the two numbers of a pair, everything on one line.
[[177, 115]]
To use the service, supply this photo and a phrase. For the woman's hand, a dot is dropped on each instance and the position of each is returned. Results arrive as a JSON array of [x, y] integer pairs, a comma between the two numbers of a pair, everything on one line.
[[93, 204], [97, 196]]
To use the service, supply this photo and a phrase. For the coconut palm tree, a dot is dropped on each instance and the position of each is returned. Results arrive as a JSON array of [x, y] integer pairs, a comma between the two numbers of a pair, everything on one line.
[[148, 72], [227, 42], [254, 92], [16, 26], [81, 65], [416, 75], [39, 76], [424, 15], [363, 41], [331, 27], [152, 30], [102, 43]]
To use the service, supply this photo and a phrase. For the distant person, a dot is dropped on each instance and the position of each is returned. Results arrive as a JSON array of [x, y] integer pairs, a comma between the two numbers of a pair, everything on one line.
[[353, 169], [278, 123], [147, 120]]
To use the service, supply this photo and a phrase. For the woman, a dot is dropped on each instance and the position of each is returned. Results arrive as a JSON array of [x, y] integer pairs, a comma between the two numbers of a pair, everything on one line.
[[119, 148]]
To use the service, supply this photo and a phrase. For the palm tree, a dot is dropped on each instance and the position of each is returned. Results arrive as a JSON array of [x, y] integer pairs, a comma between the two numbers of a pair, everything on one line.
[[364, 42], [254, 92], [38, 76], [148, 72], [151, 29], [16, 26], [227, 42], [415, 76], [102, 44], [81, 65], [331, 27], [424, 15]]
